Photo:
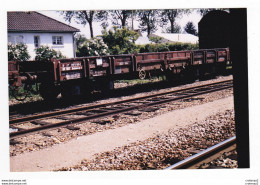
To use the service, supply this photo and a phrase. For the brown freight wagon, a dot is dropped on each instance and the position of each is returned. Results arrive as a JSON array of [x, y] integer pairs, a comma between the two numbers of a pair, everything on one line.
[[82, 75]]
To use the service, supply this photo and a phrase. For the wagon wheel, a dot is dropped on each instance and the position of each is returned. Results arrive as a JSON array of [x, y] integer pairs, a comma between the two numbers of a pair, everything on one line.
[[20, 93], [142, 74]]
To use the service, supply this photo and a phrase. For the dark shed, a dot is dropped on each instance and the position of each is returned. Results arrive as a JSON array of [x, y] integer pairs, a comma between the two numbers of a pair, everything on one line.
[[214, 30]]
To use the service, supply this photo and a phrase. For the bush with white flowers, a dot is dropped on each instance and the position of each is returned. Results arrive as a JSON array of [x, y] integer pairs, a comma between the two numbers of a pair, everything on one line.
[[92, 47], [18, 52], [45, 53]]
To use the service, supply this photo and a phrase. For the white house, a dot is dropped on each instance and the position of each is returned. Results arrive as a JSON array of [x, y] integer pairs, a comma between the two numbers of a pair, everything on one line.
[[35, 29]]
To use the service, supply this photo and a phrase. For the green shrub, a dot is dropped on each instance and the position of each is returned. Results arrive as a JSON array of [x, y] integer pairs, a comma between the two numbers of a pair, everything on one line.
[[18, 52], [45, 53], [153, 48], [167, 47], [182, 46], [155, 39], [162, 47], [120, 41]]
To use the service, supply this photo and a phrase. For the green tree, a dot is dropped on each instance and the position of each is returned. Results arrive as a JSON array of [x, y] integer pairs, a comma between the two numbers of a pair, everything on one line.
[[148, 20], [92, 47], [18, 52], [190, 28], [122, 15], [120, 41], [86, 17], [176, 29], [45, 53], [170, 15]]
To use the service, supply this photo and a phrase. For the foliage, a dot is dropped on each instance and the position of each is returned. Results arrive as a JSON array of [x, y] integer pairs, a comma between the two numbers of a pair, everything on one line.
[[190, 28], [175, 29], [45, 53], [177, 46], [86, 16], [148, 20], [122, 15], [31, 96], [155, 39], [92, 47], [120, 41], [167, 47], [18, 52], [170, 15], [153, 48]]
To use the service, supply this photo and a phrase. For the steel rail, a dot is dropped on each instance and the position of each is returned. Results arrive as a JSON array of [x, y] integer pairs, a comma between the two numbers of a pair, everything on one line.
[[197, 158], [115, 112], [62, 112]]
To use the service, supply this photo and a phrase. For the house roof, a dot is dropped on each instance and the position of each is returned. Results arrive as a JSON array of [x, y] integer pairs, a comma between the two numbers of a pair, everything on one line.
[[142, 40], [34, 21], [177, 37]]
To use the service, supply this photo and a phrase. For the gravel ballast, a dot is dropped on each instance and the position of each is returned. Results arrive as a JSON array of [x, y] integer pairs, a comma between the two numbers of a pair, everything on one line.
[[163, 150], [185, 124]]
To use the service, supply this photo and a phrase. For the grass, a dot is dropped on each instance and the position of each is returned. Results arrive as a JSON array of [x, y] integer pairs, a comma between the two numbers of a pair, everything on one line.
[[229, 67], [139, 81], [30, 97]]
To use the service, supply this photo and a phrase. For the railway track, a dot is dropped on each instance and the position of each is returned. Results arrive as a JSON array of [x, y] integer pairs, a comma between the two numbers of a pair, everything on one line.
[[210, 154], [130, 106]]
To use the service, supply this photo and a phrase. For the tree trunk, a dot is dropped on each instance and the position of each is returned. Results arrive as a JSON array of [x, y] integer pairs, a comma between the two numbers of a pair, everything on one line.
[[123, 22], [89, 18], [172, 26], [148, 30], [91, 29]]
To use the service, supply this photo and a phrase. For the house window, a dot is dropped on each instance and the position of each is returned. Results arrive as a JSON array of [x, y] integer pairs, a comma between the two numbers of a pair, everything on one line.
[[16, 39], [57, 40], [36, 41]]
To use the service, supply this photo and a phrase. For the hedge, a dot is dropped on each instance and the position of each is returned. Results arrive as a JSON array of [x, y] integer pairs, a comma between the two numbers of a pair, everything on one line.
[[167, 47]]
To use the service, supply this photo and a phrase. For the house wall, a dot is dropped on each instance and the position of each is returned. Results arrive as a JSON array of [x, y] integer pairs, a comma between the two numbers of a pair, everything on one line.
[[67, 49]]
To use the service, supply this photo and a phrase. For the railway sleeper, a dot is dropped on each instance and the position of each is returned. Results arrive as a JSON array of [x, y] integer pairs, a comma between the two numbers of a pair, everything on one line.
[[70, 127], [149, 109], [134, 113], [103, 122], [86, 113], [192, 99], [14, 142], [40, 122]]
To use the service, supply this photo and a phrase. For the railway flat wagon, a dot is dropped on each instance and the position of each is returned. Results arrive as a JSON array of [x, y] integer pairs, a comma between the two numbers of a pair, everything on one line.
[[83, 75]]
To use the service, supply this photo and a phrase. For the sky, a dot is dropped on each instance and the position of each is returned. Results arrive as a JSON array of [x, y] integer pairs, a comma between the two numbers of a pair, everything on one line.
[[193, 17]]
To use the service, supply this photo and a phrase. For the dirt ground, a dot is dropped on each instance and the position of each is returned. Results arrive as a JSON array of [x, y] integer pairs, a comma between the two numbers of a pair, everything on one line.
[[84, 147]]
